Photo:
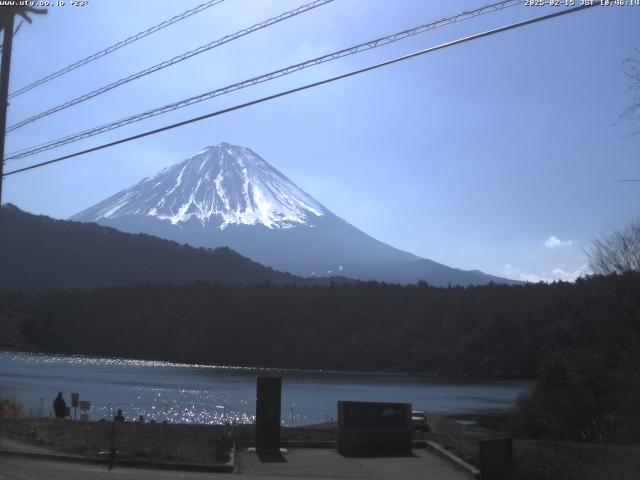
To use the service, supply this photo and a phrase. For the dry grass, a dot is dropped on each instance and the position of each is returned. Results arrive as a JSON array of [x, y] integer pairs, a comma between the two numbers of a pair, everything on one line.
[[204, 444], [546, 460], [9, 409], [163, 442]]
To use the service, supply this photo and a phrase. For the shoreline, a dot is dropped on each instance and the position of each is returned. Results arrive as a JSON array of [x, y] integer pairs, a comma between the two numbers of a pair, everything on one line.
[[444, 377], [213, 396]]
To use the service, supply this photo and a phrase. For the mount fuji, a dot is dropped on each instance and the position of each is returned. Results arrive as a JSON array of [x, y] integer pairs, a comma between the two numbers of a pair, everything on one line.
[[227, 195]]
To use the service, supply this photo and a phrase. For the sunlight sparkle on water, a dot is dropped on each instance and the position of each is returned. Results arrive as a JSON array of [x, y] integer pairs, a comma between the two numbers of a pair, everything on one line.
[[216, 395]]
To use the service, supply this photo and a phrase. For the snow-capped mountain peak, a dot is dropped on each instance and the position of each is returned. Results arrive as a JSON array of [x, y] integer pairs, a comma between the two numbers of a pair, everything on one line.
[[227, 195], [226, 184]]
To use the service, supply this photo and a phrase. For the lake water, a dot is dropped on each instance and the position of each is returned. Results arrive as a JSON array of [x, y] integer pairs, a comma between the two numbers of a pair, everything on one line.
[[213, 394]]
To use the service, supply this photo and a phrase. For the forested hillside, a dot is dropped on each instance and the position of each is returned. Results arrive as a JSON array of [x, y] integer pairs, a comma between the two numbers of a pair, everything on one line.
[[38, 253], [493, 330]]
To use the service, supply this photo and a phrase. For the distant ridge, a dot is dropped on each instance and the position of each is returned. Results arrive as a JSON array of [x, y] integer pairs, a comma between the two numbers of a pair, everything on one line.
[[39, 253]]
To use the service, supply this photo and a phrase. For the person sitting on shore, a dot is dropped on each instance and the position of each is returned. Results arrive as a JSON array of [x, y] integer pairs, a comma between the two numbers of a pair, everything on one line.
[[141, 419], [60, 406], [119, 416]]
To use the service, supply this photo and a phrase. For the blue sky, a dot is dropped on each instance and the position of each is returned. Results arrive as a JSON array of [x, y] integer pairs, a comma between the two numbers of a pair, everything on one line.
[[501, 154]]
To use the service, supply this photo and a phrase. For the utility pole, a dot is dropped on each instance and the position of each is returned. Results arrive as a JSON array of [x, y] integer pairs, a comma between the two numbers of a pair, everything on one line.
[[7, 15], [7, 42]]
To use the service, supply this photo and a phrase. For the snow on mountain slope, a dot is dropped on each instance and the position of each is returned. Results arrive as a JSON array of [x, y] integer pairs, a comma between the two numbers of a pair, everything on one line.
[[227, 195], [225, 184]]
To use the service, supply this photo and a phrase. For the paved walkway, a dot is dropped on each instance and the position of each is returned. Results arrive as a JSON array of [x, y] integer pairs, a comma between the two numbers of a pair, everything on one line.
[[317, 463], [10, 444], [13, 468], [326, 463]]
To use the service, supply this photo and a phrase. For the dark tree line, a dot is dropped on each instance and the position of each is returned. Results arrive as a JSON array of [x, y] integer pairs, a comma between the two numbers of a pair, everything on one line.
[[491, 330]]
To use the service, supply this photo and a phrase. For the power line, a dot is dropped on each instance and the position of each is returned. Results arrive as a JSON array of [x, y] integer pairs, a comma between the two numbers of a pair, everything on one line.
[[116, 46], [378, 42], [173, 61], [308, 86]]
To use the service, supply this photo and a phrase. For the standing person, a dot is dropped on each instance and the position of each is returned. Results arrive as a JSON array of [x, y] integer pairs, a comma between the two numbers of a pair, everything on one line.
[[60, 406], [119, 416]]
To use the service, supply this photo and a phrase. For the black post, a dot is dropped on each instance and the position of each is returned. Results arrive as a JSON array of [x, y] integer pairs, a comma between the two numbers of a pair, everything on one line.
[[112, 446], [268, 406], [496, 457], [7, 43]]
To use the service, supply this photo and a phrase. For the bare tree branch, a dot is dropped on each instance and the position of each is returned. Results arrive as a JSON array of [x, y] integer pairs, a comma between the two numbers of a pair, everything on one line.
[[617, 252], [631, 68]]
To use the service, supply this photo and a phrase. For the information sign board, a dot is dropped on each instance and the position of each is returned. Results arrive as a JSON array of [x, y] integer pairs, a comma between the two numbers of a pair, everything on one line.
[[374, 428]]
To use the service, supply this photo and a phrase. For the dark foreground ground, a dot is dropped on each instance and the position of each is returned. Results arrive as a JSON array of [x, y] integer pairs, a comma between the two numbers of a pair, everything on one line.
[[163, 442], [212, 444], [297, 463], [196, 443], [202, 444], [152, 441]]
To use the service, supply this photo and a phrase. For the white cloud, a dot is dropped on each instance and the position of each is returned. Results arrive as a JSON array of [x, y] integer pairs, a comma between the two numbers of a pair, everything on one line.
[[531, 277], [554, 242], [561, 274], [554, 275]]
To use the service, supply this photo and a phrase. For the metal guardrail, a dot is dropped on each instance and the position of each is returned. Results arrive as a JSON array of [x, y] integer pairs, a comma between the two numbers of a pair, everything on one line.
[[468, 450]]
